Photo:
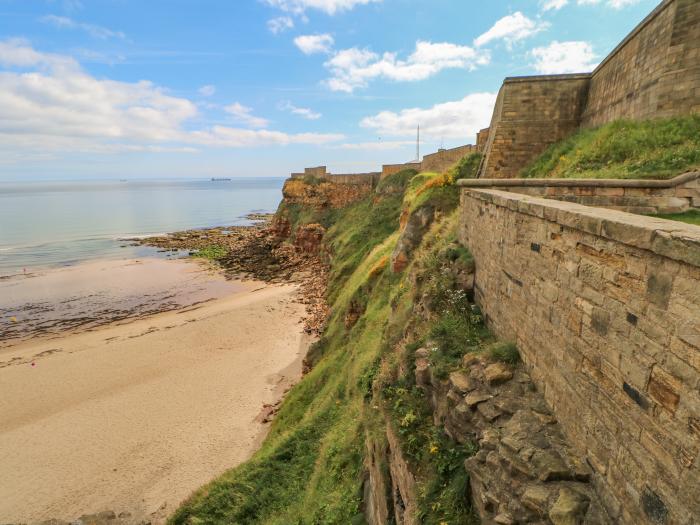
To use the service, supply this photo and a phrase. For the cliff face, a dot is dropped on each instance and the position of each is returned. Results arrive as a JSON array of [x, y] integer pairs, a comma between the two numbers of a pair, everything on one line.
[[318, 193]]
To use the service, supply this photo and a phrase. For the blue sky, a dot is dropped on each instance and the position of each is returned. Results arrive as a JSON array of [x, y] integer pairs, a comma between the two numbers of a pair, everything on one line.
[[201, 88]]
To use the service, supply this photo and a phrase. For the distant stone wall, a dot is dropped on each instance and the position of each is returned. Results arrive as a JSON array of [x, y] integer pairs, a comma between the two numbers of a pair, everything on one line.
[[634, 196], [444, 159], [654, 72], [481, 139], [603, 306], [531, 114], [371, 178], [391, 169]]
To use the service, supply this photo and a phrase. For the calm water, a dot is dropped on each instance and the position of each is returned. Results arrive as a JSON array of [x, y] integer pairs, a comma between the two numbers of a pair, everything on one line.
[[45, 224]]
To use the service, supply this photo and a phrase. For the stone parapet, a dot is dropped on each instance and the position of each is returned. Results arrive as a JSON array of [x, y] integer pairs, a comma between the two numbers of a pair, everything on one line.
[[631, 195], [605, 309]]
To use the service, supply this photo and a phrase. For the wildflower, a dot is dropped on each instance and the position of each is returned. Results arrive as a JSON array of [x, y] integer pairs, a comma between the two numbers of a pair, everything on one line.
[[434, 449]]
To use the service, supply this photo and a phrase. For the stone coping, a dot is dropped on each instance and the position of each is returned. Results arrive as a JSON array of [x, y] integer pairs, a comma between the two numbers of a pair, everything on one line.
[[578, 183], [547, 78], [672, 239]]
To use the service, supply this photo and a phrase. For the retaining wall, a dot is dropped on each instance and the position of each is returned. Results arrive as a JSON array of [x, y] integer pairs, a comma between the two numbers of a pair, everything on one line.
[[604, 307], [634, 196]]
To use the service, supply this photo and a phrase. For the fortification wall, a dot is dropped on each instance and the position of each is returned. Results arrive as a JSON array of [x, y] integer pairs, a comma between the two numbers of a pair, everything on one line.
[[635, 196], [481, 139], [390, 169], [654, 72], [444, 159], [532, 113], [603, 306]]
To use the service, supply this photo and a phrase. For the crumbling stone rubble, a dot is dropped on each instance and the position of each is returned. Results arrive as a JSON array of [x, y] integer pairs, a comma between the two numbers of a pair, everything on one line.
[[524, 471]]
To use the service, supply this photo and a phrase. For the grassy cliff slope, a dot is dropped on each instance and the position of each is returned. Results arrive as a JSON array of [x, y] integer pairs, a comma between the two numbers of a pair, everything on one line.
[[655, 149], [311, 467]]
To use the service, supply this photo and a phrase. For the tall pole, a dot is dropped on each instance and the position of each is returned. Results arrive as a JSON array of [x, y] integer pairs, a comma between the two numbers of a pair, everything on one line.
[[418, 145]]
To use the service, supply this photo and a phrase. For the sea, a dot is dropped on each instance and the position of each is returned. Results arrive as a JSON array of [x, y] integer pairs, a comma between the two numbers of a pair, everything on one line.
[[54, 224]]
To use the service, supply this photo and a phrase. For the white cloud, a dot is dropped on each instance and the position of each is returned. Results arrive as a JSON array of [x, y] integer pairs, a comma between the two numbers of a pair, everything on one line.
[[95, 31], [458, 119], [207, 91], [310, 44], [239, 138], [354, 68], [48, 103], [511, 28], [548, 5], [330, 7], [380, 145], [564, 57], [280, 24], [615, 4], [306, 113], [245, 115]]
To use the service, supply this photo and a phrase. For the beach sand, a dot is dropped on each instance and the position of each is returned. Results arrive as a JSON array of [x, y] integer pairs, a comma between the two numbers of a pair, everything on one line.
[[133, 417]]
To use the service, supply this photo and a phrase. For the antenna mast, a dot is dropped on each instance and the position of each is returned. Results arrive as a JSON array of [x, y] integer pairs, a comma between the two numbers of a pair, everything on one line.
[[418, 144]]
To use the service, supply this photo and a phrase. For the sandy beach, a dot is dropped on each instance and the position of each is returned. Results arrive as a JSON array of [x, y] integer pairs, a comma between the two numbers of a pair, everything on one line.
[[133, 416]]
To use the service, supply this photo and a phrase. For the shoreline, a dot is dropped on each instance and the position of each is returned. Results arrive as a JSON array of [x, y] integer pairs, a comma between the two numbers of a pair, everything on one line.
[[151, 396], [56, 389]]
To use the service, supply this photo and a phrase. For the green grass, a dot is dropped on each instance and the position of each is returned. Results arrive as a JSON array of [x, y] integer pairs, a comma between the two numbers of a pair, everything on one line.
[[468, 167], [505, 352], [651, 149], [213, 252], [310, 469], [691, 216]]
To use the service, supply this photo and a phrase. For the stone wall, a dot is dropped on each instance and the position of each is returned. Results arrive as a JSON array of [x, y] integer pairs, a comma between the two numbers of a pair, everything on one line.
[[634, 196], [603, 306], [531, 114], [391, 169], [653, 72], [444, 159], [481, 138]]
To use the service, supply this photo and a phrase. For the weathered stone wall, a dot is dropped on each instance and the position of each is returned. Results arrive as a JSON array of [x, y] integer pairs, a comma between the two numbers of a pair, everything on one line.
[[390, 169], [444, 159], [481, 139], [654, 72], [531, 114], [634, 196], [604, 307]]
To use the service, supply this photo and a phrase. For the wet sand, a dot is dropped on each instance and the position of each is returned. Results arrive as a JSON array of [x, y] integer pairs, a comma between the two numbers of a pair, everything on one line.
[[133, 417], [92, 294]]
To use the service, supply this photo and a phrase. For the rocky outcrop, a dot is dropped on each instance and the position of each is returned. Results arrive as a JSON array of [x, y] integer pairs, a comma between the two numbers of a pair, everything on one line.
[[309, 238], [416, 225], [524, 471], [320, 193]]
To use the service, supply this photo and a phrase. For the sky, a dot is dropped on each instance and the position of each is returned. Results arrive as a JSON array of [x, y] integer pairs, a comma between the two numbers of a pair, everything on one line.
[[225, 88]]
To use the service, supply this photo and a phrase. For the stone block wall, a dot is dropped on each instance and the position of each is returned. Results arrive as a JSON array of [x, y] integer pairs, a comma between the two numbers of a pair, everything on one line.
[[390, 169], [605, 309], [635, 196], [481, 139], [531, 114], [444, 159], [654, 72]]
